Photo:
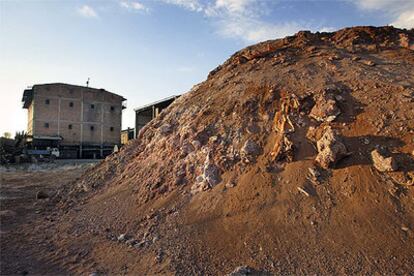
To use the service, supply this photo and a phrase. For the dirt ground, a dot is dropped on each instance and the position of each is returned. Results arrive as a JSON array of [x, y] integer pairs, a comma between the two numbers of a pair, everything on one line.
[[21, 244]]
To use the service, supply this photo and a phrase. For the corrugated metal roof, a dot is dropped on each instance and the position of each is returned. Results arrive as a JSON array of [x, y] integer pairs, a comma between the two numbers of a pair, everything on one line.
[[156, 102]]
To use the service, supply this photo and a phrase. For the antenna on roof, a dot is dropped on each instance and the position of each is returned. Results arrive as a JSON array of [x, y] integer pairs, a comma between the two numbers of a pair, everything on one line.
[[87, 83]]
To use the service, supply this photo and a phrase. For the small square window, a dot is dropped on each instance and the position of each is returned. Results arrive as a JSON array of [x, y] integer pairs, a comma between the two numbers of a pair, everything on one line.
[[46, 125], [69, 126], [47, 101], [111, 128], [92, 106], [92, 128], [71, 91], [112, 108], [71, 104]]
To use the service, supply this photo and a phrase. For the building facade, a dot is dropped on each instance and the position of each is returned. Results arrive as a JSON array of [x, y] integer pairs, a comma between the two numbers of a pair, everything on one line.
[[83, 122]]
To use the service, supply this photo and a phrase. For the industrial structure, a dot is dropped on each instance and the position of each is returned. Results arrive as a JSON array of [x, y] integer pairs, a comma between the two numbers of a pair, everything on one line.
[[126, 135], [82, 122], [144, 114]]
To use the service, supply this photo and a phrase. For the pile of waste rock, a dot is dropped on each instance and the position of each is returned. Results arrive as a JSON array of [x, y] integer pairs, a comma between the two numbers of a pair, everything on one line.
[[294, 156]]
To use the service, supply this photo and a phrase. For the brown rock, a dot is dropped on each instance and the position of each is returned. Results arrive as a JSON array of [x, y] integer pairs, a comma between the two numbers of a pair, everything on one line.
[[330, 149], [325, 108], [383, 163], [211, 173], [250, 149]]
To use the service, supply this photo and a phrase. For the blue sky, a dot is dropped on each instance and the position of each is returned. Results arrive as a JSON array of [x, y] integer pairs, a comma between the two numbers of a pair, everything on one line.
[[149, 49]]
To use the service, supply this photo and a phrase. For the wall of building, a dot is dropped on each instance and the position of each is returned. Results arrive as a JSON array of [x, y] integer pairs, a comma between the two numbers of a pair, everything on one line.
[[79, 115], [30, 120], [143, 117]]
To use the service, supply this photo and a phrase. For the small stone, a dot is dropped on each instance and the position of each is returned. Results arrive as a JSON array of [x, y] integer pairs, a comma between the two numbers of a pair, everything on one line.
[[405, 228], [196, 144], [230, 184], [131, 242], [383, 163], [314, 173], [213, 139], [368, 62], [122, 237]]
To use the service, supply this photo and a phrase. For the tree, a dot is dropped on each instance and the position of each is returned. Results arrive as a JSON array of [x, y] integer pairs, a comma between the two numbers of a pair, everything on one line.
[[7, 135]]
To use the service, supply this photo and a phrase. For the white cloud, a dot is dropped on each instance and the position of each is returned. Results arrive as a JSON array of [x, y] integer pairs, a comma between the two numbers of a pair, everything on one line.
[[401, 11], [241, 19], [133, 5], [405, 20], [233, 6], [251, 30], [192, 5], [87, 11]]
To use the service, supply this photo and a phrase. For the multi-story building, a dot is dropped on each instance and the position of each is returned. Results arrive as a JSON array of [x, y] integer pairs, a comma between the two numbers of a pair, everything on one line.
[[83, 122]]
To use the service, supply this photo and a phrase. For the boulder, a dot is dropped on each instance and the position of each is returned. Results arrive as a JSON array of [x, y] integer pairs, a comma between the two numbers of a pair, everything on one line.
[[383, 163], [331, 149], [209, 178], [250, 149], [211, 173], [325, 108]]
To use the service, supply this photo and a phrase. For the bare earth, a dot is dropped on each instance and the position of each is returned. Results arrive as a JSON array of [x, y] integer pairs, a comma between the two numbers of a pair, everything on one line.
[[22, 246]]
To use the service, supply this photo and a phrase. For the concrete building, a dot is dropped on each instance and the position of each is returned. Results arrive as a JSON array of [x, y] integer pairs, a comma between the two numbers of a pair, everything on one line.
[[144, 114], [83, 122]]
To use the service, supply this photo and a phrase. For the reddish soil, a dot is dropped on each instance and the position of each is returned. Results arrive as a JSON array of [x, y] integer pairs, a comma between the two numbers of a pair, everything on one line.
[[188, 197]]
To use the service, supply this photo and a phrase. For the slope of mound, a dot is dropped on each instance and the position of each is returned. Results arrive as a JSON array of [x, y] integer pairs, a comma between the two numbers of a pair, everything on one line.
[[294, 156]]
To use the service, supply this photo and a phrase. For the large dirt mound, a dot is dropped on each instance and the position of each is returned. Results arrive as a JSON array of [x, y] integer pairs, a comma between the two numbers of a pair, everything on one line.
[[294, 156]]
